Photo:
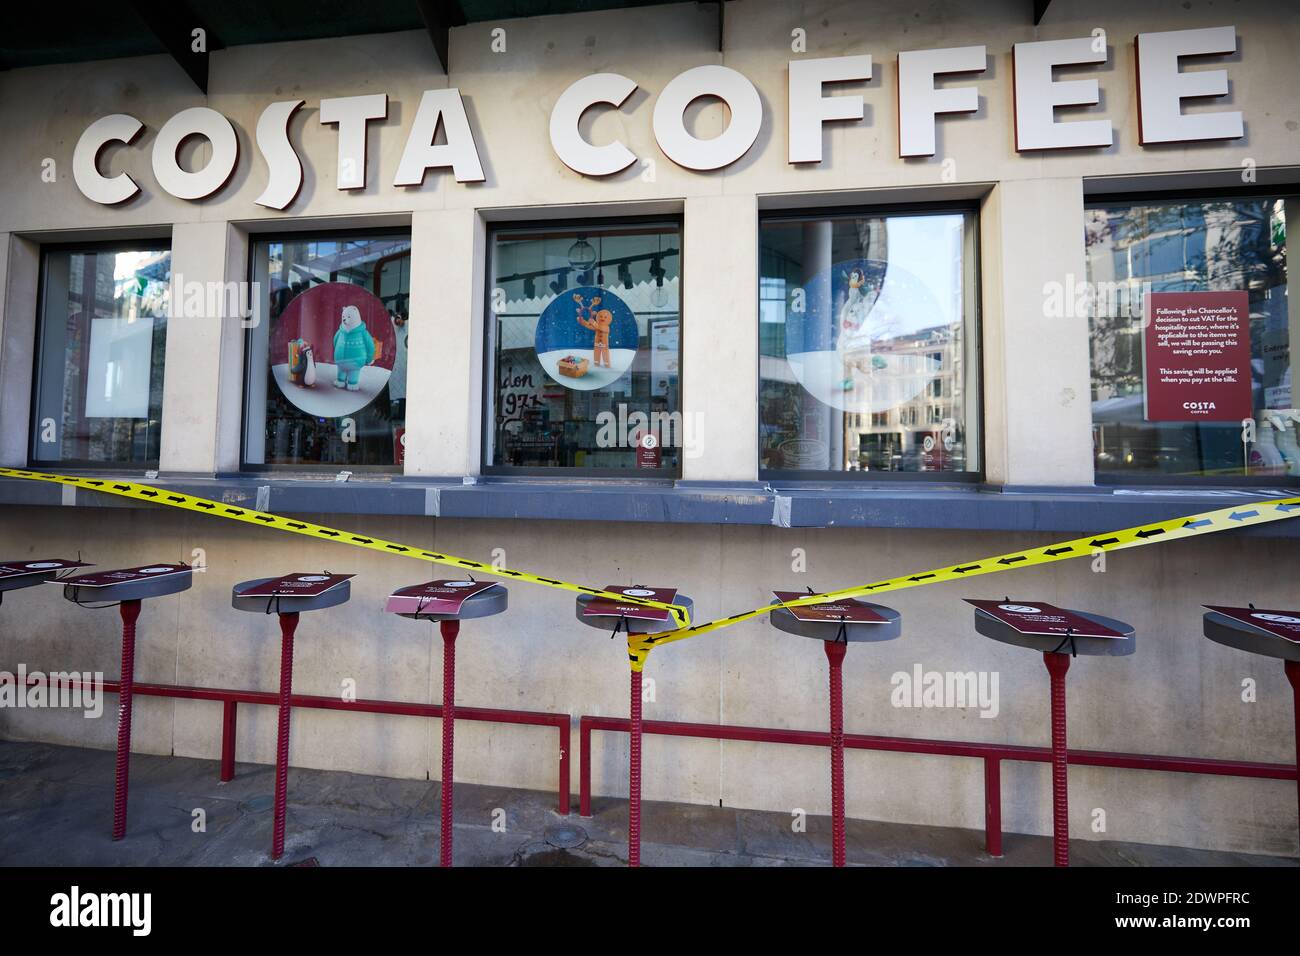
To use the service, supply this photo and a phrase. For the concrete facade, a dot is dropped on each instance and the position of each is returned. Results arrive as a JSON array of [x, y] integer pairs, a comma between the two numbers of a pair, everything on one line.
[[1179, 695]]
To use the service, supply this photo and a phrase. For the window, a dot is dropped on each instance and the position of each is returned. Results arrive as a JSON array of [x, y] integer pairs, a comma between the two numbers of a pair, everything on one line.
[[327, 352], [584, 350], [1191, 333], [869, 313], [101, 341]]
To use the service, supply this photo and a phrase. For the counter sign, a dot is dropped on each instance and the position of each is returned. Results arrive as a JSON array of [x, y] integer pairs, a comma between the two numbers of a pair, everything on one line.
[[1280, 623], [1041, 618]]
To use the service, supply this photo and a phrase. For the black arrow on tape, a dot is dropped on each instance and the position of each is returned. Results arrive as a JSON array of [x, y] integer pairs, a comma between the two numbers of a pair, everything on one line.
[[1019, 557], [326, 531], [920, 577], [267, 518], [965, 568], [234, 511], [177, 498], [295, 524], [204, 504], [1053, 552], [397, 547], [1102, 542], [148, 494], [362, 540], [1149, 532]]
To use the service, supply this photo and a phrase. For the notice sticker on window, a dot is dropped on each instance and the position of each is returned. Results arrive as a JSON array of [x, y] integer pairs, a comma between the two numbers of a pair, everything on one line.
[[1197, 354]]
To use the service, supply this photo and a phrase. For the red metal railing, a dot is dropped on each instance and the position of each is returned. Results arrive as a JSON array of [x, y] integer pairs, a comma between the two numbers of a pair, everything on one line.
[[991, 754], [231, 699]]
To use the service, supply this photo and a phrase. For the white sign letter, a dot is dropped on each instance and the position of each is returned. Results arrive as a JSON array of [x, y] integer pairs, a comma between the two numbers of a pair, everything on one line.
[[574, 151], [459, 152], [93, 184], [285, 177], [1162, 88], [195, 121], [809, 109], [918, 100], [352, 113], [1038, 95], [702, 154]]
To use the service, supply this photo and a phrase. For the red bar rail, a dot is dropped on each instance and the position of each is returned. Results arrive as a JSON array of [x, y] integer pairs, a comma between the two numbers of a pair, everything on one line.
[[231, 699], [991, 754]]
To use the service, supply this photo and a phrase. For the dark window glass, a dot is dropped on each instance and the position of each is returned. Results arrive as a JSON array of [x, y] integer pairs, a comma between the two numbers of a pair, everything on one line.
[[867, 344], [101, 342], [1190, 248], [327, 352], [584, 349]]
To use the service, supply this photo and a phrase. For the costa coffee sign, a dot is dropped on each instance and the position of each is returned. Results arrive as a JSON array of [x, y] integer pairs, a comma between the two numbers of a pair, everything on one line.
[[1161, 87]]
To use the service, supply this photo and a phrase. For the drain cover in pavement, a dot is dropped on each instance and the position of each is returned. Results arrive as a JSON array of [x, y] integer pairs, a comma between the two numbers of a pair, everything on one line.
[[565, 836]]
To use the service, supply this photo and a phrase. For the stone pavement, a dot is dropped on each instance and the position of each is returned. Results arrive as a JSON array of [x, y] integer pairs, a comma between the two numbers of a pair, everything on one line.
[[56, 810]]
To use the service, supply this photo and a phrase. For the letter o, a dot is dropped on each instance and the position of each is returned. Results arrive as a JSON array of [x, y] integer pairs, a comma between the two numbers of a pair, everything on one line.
[[729, 86], [195, 121]]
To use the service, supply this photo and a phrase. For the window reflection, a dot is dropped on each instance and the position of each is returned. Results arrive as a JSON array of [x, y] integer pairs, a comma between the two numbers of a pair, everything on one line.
[[865, 344], [102, 343]]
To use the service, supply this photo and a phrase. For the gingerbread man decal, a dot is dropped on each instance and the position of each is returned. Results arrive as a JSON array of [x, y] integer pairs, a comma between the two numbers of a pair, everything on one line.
[[599, 323]]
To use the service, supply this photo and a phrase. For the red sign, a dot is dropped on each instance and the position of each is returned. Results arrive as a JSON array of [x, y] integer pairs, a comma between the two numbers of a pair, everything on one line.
[[399, 445], [1036, 617], [1197, 354], [105, 578], [18, 569], [849, 610], [435, 597], [648, 452], [1282, 623], [303, 584], [603, 607]]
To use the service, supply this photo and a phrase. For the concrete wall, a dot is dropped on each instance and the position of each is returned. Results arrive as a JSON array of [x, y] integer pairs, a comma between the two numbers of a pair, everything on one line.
[[1179, 695]]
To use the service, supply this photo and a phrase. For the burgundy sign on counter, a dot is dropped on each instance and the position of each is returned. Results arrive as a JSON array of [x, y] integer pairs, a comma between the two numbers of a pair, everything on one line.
[[603, 607], [848, 610], [1282, 623], [103, 579], [435, 597], [302, 584], [1197, 357], [18, 569], [1036, 617]]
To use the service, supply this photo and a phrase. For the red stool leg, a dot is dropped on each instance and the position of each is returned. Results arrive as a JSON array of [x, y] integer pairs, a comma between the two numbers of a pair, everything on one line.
[[835, 655], [130, 611], [1293, 675], [449, 631], [1057, 665], [634, 777], [288, 624]]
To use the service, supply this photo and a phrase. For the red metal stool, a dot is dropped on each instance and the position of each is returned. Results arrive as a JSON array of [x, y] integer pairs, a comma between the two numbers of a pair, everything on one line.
[[1059, 634], [1268, 633], [288, 596], [126, 588], [634, 619], [837, 625], [448, 603]]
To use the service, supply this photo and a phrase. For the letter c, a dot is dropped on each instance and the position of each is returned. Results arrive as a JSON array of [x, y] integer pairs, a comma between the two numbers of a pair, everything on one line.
[[574, 151], [93, 184]]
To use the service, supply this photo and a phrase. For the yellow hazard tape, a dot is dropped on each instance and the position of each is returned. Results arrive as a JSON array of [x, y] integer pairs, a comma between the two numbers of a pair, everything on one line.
[[1225, 519], [161, 496]]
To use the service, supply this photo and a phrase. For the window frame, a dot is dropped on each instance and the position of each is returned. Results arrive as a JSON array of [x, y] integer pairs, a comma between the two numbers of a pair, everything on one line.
[[969, 208], [163, 241], [1285, 191], [305, 235], [659, 475]]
